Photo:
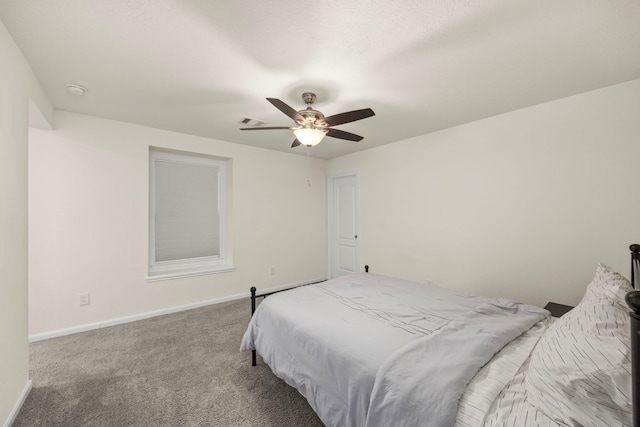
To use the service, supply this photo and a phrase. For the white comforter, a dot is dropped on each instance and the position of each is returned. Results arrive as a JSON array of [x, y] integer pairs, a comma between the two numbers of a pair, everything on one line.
[[330, 341]]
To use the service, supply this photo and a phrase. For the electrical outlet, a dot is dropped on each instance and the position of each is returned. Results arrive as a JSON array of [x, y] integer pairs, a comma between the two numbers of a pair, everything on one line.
[[272, 271], [83, 298]]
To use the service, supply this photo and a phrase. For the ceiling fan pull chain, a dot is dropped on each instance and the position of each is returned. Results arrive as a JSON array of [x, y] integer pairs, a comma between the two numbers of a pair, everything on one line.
[[308, 166]]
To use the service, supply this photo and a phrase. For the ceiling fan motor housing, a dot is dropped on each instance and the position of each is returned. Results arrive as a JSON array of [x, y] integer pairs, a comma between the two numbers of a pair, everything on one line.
[[312, 118]]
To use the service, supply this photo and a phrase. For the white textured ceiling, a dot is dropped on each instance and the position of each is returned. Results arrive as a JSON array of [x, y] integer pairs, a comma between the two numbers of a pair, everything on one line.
[[198, 67]]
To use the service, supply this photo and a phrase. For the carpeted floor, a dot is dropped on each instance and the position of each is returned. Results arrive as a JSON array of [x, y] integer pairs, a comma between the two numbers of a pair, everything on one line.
[[182, 369]]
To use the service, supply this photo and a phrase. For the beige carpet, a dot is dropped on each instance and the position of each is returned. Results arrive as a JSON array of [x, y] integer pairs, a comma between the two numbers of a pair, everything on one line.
[[182, 369]]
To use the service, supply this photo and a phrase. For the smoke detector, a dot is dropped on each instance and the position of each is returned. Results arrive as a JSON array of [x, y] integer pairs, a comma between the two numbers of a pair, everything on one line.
[[75, 89]]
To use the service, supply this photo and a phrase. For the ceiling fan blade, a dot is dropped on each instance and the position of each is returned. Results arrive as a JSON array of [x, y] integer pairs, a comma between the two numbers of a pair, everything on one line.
[[286, 109], [295, 143], [266, 128], [340, 134], [349, 116]]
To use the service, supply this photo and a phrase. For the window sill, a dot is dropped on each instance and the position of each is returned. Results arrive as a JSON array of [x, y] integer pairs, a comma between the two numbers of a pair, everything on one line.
[[168, 275]]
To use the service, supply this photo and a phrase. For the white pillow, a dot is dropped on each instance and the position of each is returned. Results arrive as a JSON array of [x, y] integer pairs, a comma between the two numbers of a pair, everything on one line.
[[580, 370], [608, 285]]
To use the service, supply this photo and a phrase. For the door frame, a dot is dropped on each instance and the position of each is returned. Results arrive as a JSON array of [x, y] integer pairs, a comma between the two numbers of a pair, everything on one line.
[[330, 219]]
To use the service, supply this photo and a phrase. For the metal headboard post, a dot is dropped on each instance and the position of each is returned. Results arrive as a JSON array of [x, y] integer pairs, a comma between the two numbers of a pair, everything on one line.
[[633, 300], [635, 263]]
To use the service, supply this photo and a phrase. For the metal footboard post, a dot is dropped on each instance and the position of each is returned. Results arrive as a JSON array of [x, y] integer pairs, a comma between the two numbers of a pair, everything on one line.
[[635, 263], [253, 310], [633, 300]]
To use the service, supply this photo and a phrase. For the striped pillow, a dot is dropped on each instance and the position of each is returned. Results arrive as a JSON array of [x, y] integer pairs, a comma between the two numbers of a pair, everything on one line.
[[580, 371], [608, 285]]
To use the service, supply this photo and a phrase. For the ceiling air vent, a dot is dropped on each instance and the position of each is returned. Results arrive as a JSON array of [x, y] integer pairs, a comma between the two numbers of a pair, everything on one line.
[[252, 122]]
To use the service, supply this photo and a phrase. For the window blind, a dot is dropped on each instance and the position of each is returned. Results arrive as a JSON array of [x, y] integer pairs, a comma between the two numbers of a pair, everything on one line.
[[187, 219]]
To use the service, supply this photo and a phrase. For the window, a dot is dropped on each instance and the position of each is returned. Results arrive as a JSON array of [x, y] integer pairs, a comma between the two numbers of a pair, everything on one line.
[[187, 214]]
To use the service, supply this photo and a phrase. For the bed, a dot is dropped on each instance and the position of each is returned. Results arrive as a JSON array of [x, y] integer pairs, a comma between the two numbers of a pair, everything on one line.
[[369, 350]]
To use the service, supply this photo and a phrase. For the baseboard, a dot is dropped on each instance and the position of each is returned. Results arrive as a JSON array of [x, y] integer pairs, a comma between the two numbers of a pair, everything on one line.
[[147, 315], [16, 408]]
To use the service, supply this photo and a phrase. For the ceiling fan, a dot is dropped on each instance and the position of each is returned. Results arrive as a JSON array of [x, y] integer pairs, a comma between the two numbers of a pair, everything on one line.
[[312, 125]]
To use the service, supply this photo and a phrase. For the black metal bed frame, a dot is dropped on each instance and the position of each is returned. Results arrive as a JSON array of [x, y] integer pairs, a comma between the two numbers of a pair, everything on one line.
[[632, 299], [255, 296]]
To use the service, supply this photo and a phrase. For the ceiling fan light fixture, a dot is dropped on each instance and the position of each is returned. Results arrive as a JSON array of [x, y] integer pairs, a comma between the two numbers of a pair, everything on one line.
[[309, 136]]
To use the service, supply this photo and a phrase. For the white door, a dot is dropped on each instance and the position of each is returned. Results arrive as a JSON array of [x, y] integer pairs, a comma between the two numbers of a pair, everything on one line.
[[343, 225]]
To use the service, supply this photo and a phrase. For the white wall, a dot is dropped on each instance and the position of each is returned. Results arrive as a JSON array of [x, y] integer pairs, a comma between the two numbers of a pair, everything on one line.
[[88, 219], [522, 205], [17, 87]]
